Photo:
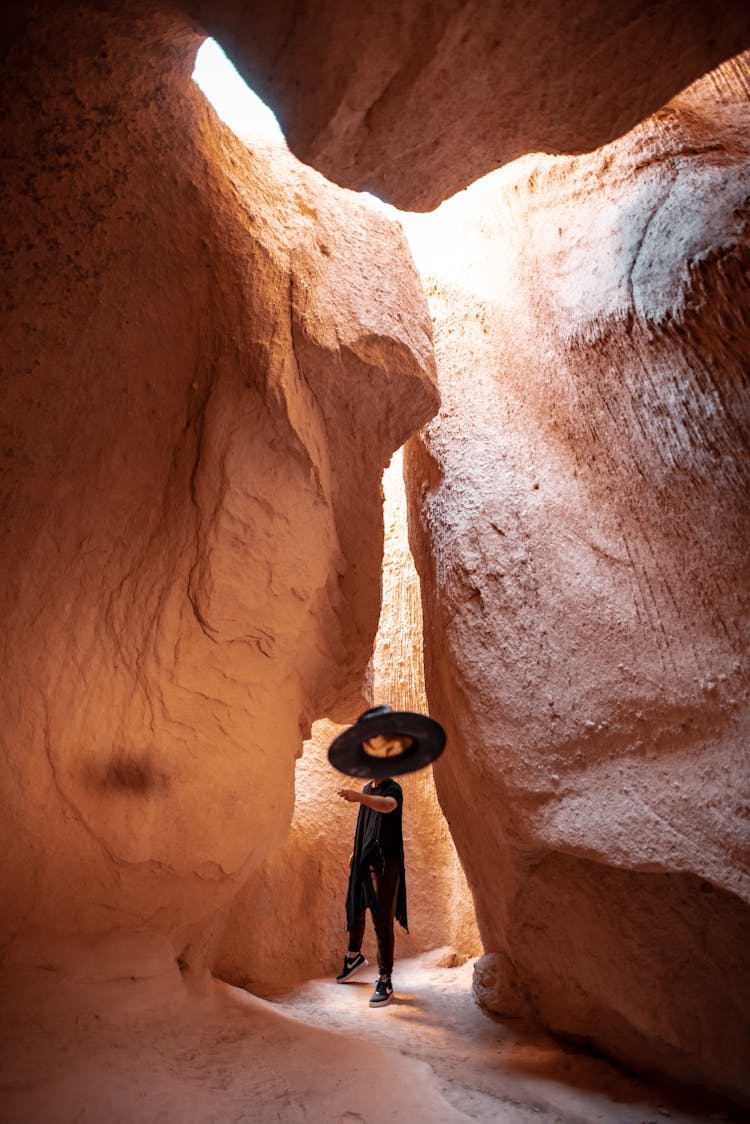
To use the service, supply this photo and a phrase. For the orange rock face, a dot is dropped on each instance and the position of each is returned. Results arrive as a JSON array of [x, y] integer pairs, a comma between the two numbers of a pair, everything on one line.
[[209, 356], [580, 523], [415, 101]]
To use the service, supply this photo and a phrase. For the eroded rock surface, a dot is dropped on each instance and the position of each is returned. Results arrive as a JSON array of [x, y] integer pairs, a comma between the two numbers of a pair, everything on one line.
[[580, 523], [415, 101], [195, 341], [195, 338]]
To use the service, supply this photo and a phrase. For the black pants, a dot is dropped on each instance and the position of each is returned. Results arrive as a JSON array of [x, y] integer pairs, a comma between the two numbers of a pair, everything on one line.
[[385, 879]]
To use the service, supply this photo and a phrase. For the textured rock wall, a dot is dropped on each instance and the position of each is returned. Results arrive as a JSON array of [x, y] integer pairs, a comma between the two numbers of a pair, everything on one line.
[[288, 922], [579, 519], [413, 101], [194, 341], [192, 338]]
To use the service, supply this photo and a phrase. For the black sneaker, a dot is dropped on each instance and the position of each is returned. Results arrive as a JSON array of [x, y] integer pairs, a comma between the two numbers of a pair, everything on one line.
[[352, 965], [383, 992]]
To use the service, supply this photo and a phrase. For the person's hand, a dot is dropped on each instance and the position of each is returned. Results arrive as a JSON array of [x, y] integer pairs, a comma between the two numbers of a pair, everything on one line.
[[349, 794]]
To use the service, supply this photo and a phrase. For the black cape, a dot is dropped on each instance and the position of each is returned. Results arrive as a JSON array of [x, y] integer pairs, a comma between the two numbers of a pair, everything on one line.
[[361, 892]]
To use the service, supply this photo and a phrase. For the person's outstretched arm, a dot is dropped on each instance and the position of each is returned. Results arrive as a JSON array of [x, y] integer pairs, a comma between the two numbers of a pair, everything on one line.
[[369, 799]]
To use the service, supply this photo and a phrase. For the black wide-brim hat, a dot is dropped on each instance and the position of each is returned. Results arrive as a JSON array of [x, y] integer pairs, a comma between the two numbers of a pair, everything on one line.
[[348, 754]]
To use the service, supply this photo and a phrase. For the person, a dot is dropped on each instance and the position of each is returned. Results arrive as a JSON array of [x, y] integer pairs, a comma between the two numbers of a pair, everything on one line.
[[382, 743], [377, 880]]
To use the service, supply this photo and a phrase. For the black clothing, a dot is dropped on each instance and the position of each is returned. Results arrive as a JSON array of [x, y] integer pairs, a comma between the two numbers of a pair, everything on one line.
[[426, 741], [390, 838], [386, 882], [378, 843]]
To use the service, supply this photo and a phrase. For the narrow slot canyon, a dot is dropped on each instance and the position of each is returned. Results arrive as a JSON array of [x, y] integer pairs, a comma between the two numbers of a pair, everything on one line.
[[435, 396]]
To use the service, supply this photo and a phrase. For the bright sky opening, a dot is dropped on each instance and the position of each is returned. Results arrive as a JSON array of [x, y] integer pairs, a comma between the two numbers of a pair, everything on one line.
[[239, 108], [242, 110]]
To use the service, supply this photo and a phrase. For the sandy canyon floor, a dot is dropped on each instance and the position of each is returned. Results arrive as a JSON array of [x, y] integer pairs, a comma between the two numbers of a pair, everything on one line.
[[485, 1069], [148, 1050]]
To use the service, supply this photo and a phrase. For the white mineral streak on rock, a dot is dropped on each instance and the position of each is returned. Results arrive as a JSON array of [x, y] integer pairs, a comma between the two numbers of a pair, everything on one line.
[[579, 520]]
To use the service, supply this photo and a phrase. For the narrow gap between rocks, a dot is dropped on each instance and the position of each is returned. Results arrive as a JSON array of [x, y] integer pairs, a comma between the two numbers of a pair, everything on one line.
[[486, 1069]]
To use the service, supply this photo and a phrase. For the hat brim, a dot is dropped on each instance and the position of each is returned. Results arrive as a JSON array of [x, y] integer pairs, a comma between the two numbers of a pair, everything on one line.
[[347, 754]]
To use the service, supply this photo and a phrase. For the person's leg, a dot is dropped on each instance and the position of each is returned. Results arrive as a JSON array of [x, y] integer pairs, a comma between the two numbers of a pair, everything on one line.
[[386, 890], [357, 932], [354, 960]]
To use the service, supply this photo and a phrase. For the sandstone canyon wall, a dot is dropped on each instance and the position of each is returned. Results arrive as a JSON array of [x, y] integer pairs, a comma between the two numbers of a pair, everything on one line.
[[312, 865], [580, 521], [194, 338], [414, 100], [195, 341]]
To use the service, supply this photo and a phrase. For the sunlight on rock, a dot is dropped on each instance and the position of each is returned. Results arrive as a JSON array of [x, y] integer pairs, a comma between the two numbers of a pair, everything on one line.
[[212, 344]]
